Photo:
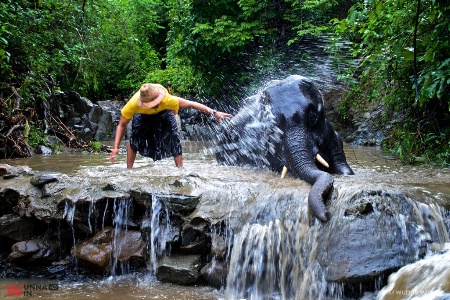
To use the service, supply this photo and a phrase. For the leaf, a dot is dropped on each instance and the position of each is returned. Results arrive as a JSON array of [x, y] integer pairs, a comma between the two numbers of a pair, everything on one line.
[[408, 53]]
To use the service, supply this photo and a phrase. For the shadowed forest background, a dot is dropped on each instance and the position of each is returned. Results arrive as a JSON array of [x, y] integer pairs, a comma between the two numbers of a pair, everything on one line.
[[396, 53]]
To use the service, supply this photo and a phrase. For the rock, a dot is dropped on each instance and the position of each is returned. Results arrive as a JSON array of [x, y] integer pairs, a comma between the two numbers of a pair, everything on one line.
[[132, 247], [215, 273], [375, 230], [428, 278], [79, 103], [105, 127], [95, 113], [200, 246], [8, 200], [174, 202], [178, 202], [41, 149], [12, 172], [55, 142], [179, 269], [86, 134], [3, 170], [41, 179], [15, 227], [95, 253], [370, 241], [105, 247], [359, 209], [194, 238], [34, 251], [219, 246]]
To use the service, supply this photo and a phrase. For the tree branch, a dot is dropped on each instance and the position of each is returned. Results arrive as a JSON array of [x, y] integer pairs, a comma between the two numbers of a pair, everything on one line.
[[415, 50]]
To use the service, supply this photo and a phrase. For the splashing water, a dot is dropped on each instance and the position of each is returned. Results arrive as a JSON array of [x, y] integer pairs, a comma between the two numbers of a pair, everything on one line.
[[253, 143], [425, 279]]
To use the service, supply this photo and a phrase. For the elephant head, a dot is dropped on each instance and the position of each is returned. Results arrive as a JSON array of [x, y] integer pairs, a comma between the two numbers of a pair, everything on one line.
[[284, 128]]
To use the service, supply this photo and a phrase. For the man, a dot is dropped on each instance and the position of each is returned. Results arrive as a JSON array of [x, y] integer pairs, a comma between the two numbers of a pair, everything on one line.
[[154, 129]]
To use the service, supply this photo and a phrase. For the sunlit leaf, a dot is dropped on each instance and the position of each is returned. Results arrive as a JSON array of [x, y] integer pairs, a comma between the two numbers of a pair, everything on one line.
[[408, 54]]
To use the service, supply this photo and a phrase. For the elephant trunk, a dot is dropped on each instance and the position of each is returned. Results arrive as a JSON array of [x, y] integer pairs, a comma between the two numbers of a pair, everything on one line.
[[300, 159]]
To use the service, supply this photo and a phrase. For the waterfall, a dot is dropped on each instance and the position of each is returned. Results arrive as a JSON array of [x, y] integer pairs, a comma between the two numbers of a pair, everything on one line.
[[90, 214], [281, 256], [121, 211], [160, 232], [275, 261], [68, 215]]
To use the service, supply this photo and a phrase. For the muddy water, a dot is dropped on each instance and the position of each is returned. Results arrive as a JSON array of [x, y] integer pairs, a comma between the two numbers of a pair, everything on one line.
[[371, 165], [131, 286]]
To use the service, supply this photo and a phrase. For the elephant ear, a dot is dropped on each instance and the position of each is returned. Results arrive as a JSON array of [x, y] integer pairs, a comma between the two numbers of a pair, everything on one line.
[[311, 92]]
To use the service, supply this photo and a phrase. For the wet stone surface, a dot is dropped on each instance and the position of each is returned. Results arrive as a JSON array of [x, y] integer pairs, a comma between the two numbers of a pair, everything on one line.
[[380, 221]]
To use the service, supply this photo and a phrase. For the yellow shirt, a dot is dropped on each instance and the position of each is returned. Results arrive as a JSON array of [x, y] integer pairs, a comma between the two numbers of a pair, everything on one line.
[[168, 102]]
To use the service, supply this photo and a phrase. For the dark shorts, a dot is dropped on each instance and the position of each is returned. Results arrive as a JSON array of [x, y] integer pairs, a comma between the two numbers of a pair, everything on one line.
[[155, 136]]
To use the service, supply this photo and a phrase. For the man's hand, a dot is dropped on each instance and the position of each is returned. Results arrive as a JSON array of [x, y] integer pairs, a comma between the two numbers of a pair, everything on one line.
[[112, 155], [218, 115]]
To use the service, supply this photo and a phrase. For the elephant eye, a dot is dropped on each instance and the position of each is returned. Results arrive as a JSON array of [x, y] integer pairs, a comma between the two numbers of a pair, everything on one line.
[[296, 117], [313, 117]]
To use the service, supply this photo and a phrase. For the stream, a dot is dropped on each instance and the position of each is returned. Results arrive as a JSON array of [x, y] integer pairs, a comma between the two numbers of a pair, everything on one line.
[[371, 165]]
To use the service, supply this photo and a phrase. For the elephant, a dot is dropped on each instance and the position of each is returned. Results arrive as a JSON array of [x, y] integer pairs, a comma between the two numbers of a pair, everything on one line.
[[284, 128]]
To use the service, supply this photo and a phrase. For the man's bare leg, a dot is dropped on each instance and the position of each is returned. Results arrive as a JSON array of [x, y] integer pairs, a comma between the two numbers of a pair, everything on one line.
[[178, 160], [131, 156]]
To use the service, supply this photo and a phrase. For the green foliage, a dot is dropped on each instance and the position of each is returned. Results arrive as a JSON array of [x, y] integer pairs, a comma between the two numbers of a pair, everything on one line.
[[96, 146], [130, 36], [208, 41], [311, 17], [411, 146], [98, 48], [106, 48], [36, 137], [402, 47], [216, 49]]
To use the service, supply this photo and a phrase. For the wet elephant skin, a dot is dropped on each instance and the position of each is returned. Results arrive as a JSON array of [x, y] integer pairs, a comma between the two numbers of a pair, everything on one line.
[[285, 125]]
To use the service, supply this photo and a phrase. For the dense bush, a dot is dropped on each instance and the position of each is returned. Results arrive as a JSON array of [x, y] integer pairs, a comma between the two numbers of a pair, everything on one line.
[[215, 50], [403, 49]]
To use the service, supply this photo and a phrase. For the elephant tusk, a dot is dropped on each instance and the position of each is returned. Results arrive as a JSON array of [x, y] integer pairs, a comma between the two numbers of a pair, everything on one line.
[[322, 161], [284, 172]]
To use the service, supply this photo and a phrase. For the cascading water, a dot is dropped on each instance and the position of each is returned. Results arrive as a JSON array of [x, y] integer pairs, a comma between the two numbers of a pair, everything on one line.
[[274, 249], [408, 282], [121, 211], [117, 212], [69, 213], [275, 261], [160, 232], [283, 258]]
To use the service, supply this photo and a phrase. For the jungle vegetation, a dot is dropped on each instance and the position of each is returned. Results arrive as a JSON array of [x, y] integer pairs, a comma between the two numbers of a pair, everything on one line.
[[212, 48]]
